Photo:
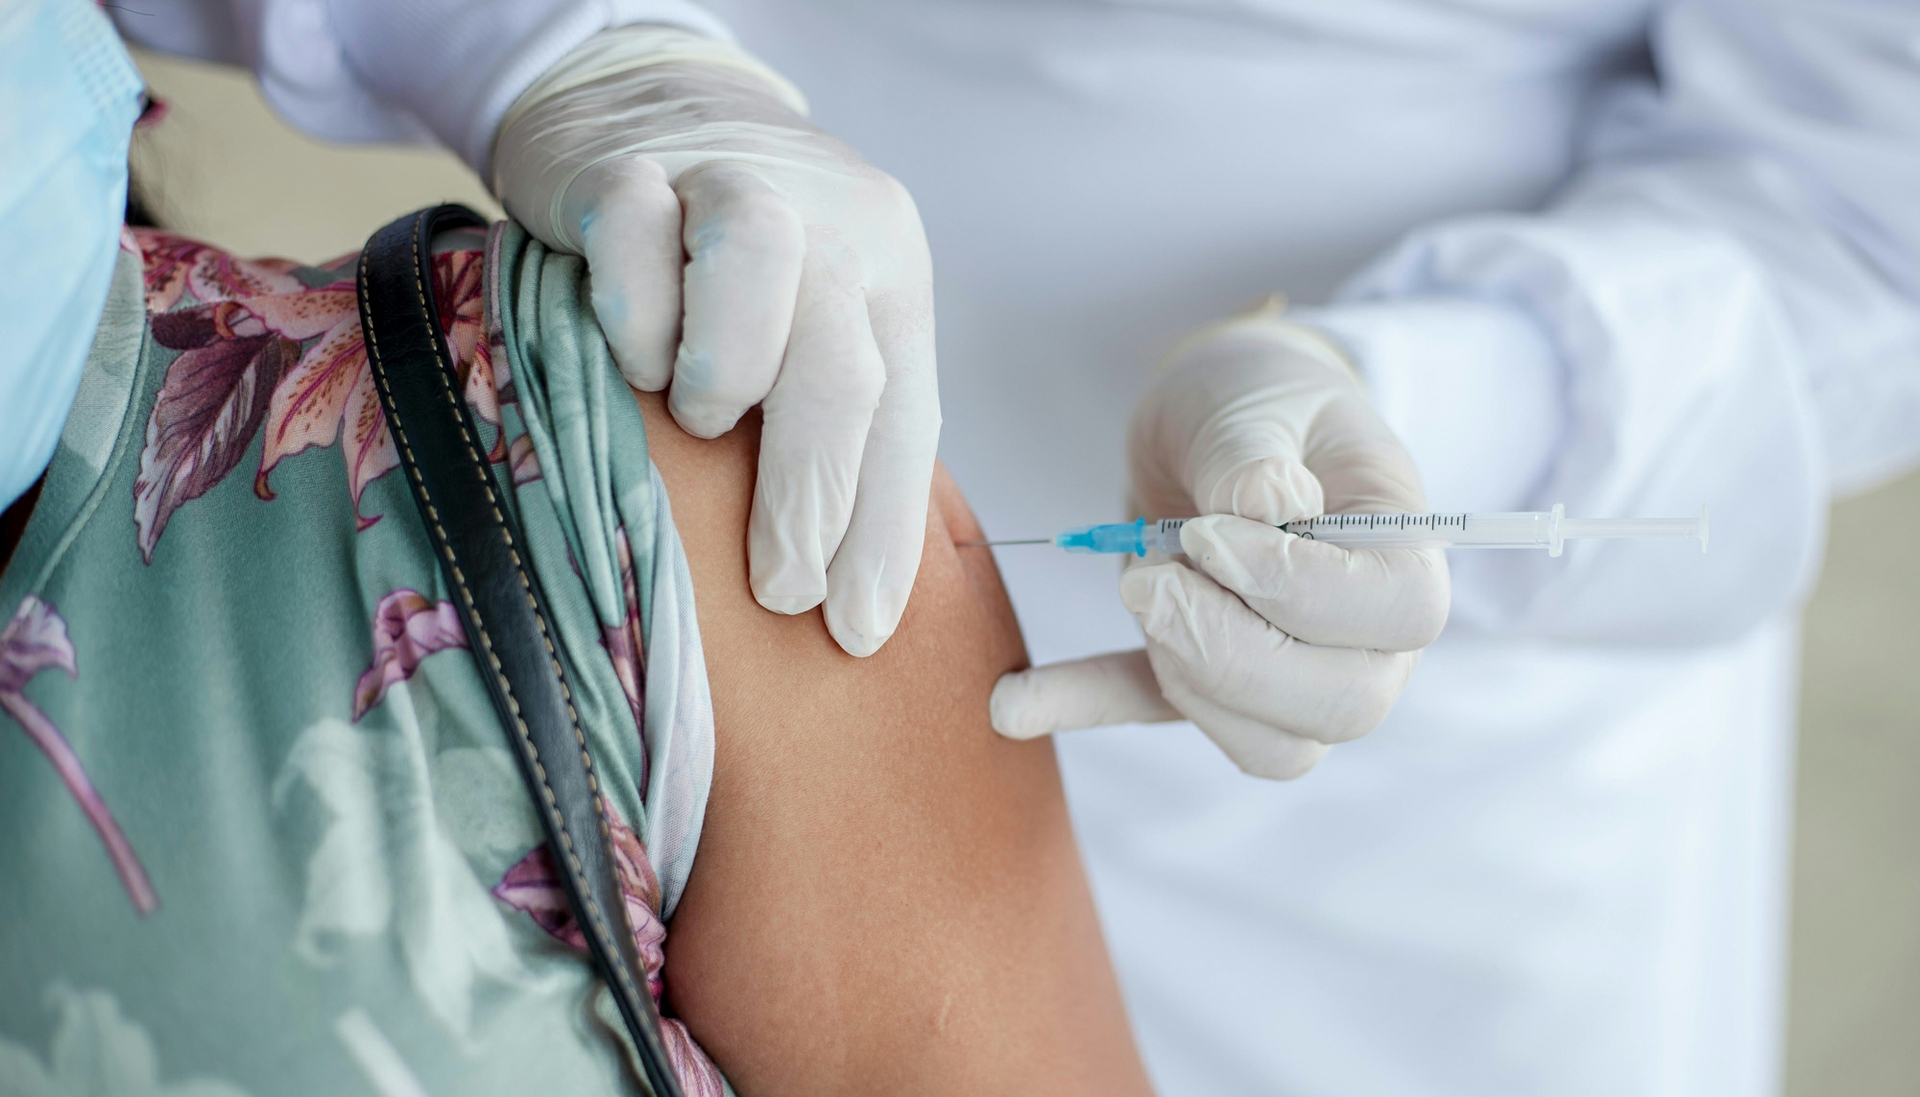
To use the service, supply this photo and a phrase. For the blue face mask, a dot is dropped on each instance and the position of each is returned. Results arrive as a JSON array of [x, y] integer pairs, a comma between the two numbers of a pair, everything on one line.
[[69, 96]]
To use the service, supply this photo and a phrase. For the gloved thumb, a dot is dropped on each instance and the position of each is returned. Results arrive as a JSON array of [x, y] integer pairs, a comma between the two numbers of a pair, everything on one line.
[[1117, 688]]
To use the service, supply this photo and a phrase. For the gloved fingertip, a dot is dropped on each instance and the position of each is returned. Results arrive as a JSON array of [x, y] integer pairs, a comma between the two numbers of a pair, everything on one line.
[[783, 581], [1011, 707], [641, 373], [857, 643], [643, 381], [858, 625], [704, 420], [789, 604], [642, 353], [1287, 759]]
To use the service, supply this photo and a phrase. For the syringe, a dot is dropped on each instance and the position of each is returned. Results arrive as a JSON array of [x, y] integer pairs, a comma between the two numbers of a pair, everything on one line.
[[1547, 529]]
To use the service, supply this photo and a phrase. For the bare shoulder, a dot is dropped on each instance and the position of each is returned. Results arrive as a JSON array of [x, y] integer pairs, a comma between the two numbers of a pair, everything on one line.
[[887, 895]]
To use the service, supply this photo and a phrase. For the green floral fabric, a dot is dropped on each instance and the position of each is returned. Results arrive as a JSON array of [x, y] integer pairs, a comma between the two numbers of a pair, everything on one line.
[[262, 831]]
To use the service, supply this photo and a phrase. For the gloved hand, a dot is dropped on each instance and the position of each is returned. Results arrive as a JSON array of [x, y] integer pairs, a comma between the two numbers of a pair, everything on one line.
[[742, 257], [1274, 645]]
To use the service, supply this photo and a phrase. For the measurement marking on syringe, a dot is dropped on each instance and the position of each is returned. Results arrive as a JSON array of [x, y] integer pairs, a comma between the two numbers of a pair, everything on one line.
[[1331, 523]]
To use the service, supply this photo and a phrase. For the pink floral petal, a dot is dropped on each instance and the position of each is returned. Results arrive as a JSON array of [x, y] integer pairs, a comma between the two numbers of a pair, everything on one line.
[[524, 459], [173, 266], [697, 1074], [35, 639], [478, 388], [164, 259], [460, 303], [301, 316], [311, 399], [407, 627], [533, 885], [207, 411], [457, 299], [215, 275]]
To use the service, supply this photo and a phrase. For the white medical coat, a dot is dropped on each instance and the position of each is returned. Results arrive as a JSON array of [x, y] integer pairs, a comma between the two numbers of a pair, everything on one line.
[[1629, 257]]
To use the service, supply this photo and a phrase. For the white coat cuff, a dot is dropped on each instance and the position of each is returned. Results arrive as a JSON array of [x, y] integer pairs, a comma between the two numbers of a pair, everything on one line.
[[1474, 389]]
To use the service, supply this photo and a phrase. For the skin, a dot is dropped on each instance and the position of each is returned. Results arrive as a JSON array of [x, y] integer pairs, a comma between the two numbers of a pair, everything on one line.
[[888, 898]]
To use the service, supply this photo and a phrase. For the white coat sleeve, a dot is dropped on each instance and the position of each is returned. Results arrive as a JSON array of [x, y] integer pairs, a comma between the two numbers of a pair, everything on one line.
[[395, 70], [1722, 308]]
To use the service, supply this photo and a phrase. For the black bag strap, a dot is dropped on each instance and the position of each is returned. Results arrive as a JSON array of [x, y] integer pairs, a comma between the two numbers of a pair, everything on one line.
[[498, 598]]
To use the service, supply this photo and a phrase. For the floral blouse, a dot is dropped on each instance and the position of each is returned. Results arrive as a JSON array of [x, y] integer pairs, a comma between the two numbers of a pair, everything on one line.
[[264, 835]]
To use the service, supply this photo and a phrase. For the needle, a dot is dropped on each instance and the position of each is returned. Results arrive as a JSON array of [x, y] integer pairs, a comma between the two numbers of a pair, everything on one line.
[[990, 544]]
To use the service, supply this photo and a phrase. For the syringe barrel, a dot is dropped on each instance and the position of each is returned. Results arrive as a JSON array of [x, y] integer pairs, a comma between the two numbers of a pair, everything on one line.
[[1161, 536], [1525, 529], [1512, 529]]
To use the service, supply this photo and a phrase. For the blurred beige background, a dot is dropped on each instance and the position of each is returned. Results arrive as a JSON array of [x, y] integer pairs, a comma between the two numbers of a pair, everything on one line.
[[224, 169]]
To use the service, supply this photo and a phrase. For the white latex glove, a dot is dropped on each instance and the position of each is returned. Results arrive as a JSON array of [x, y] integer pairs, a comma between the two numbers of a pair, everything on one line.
[[742, 257], [1274, 646]]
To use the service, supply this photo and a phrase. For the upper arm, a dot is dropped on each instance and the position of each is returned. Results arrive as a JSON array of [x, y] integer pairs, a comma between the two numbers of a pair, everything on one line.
[[887, 895]]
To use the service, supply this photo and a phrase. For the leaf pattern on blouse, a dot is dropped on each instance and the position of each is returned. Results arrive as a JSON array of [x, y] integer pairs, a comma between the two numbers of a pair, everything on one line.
[[533, 885], [262, 348], [33, 641], [208, 409], [407, 627]]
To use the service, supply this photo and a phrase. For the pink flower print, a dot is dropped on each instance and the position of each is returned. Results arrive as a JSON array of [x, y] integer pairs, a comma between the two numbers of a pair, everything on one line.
[[523, 460], [331, 386], [407, 627], [264, 348], [330, 395], [627, 650], [174, 267], [533, 885], [460, 302], [34, 640]]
